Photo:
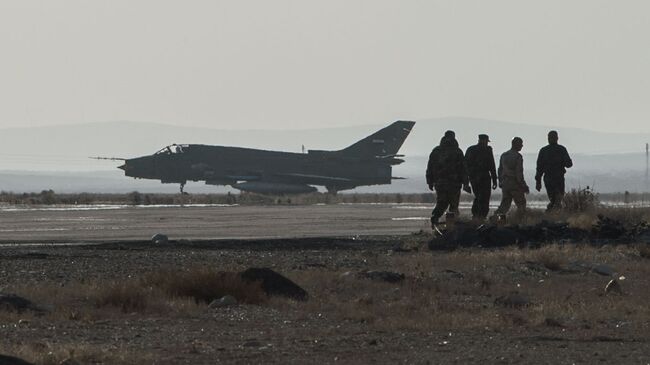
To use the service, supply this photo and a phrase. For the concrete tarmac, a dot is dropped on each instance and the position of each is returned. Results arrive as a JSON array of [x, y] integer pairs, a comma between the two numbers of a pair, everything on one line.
[[89, 224]]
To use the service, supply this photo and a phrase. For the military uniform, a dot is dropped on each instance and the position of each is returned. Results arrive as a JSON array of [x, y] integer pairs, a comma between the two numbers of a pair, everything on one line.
[[512, 182], [446, 173], [552, 162], [482, 175]]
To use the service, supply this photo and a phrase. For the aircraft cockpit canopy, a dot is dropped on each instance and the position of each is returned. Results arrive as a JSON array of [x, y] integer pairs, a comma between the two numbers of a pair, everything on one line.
[[173, 149]]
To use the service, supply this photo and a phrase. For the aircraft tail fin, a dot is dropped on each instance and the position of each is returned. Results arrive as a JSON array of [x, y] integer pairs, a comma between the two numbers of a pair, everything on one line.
[[383, 143]]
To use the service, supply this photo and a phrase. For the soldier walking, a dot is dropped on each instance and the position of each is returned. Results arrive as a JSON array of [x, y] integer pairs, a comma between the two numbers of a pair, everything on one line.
[[482, 174], [446, 174], [511, 179], [552, 162]]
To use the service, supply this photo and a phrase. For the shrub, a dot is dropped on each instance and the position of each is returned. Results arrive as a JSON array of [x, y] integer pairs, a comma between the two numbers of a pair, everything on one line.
[[581, 200], [128, 296], [200, 284], [134, 198]]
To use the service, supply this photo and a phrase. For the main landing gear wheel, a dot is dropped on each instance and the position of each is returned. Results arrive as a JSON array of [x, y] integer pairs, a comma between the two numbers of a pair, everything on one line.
[[331, 190]]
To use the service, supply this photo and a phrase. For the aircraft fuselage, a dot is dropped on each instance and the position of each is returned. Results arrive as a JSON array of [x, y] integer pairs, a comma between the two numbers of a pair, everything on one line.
[[365, 163]]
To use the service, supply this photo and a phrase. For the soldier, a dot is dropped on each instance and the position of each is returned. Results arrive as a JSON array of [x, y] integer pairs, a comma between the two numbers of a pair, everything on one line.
[[446, 173], [552, 162], [482, 174], [511, 179]]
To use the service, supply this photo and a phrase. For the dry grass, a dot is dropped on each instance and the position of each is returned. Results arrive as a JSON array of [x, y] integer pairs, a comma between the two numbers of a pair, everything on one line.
[[644, 251], [457, 290], [551, 260], [168, 293], [130, 296], [172, 288], [584, 219], [162, 292], [205, 285], [580, 200], [416, 304], [453, 291]]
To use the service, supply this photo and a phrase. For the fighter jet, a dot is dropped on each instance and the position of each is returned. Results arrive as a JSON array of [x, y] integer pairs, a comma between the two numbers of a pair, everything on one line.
[[367, 162]]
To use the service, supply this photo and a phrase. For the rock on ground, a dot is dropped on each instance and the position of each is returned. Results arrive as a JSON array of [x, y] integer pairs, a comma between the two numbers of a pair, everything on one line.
[[275, 284], [225, 301], [387, 276], [160, 239], [10, 360], [604, 270], [513, 300], [15, 303], [613, 287]]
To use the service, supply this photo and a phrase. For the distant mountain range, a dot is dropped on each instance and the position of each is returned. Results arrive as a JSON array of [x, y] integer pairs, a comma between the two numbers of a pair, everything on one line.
[[58, 155]]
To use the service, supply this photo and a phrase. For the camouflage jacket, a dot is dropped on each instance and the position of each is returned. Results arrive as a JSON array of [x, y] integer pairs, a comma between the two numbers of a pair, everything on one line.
[[553, 160], [511, 170], [446, 164], [480, 163]]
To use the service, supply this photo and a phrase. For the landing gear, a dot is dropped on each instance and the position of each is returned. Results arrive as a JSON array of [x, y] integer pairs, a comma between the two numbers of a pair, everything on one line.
[[332, 190], [183, 194]]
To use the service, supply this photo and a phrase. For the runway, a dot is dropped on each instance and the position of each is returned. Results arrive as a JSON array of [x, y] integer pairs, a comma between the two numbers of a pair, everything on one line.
[[88, 224]]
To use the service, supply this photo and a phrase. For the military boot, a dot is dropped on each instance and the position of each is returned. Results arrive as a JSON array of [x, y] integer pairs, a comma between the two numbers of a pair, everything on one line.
[[450, 220]]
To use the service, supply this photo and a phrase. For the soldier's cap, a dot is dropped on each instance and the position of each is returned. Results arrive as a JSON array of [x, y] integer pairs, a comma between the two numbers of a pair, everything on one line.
[[552, 133], [484, 137], [450, 133]]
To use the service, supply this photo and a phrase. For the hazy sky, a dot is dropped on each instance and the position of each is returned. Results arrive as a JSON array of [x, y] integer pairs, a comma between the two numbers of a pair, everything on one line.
[[302, 63]]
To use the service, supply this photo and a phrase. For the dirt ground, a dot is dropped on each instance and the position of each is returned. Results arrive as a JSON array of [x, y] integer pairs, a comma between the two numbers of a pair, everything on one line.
[[509, 305]]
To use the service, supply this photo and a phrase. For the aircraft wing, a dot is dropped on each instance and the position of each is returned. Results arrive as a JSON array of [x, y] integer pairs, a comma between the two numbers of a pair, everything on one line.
[[315, 179], [243, 178]]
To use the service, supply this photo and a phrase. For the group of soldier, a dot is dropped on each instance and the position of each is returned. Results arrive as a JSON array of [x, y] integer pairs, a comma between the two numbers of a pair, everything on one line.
[[475, 172]]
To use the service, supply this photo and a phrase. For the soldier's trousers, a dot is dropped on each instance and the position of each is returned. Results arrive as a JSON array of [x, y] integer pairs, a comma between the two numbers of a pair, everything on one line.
[[508, 195], [447, 196], [482, 190], [555, 191]]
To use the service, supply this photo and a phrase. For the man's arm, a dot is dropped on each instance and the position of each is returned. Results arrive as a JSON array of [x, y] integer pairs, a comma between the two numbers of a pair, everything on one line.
[[431, 169], [539, 170], [469, 160], [493, 168], [462, 167], [540, 166], [567, 159], [500, 171], [519, 171]]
